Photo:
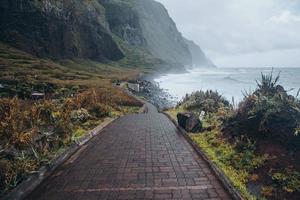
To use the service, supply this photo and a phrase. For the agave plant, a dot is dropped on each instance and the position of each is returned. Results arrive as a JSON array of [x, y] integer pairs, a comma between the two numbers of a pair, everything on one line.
[[268, 112], [267, 84]]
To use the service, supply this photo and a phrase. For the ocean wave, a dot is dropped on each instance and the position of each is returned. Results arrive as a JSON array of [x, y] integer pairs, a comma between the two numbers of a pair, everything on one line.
[[229, 82], [228, 78], [209, 72]]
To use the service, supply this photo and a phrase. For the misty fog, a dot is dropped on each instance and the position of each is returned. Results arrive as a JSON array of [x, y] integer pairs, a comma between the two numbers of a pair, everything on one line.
[[247, 33]]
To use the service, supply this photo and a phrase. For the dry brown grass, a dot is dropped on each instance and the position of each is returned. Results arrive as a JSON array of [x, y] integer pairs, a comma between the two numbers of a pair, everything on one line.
[[32, 132]]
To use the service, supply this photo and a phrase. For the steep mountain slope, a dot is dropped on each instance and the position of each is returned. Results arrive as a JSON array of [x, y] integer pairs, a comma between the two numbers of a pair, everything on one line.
[[58, 28], [146, 24], [124, 21], [100, 30], [163, 39], [199, 59]]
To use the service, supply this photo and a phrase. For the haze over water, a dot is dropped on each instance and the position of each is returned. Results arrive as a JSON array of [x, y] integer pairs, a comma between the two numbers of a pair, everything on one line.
[[230, 82]]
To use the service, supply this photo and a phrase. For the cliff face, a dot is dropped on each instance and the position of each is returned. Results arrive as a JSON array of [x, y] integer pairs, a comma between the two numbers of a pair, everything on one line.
[[146, 24], [95, 29], [163, 39], [199, 59], [58, 28], [124, 21]]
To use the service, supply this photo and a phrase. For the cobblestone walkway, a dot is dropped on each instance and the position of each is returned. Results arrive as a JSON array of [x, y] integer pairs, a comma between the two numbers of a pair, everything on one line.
[[140, 156]]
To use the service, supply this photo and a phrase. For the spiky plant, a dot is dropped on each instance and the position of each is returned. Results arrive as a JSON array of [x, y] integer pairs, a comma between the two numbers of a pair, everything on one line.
[[267, 84], [268, 112], [209, 101]]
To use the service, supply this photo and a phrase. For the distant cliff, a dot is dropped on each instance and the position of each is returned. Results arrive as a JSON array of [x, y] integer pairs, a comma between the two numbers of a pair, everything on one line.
[[199, 59], [100, 30]]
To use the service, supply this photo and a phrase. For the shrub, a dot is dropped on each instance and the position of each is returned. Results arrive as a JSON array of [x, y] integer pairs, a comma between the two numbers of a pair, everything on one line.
[[80, 116], [208, 101], [268, 112], [100, 110], [7, 174], [14, 122], [78, 133], [245, 156], [285, 183], [286, 180], [32, 132]]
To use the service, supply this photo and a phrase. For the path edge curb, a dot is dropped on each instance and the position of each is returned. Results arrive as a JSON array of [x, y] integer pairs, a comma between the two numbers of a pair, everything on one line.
[[235, 194], [34, 180]]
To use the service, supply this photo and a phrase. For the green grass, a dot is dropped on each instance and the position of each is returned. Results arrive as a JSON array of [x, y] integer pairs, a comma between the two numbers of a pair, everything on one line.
[[237, 165], [18, 65], [78, 133], [218, 151], [256, 143], [174, 111]]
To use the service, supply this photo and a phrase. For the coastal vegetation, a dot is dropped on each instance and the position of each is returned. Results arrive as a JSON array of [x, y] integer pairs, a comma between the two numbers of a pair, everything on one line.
[[77, 96], [256, 143], [66, 85], [66, 82]]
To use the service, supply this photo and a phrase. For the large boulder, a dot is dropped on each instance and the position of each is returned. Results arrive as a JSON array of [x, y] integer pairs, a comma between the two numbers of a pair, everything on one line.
[[189, 121]]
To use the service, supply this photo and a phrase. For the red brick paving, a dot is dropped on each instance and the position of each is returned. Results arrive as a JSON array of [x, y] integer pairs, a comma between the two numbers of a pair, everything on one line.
[[140, 156]]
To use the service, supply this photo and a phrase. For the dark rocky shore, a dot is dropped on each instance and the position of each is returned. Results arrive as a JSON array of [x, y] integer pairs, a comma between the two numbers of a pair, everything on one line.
[[157, 96]]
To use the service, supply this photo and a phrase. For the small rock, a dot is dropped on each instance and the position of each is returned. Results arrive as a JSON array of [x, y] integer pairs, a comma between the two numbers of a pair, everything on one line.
[[189, 121], [202, 115]]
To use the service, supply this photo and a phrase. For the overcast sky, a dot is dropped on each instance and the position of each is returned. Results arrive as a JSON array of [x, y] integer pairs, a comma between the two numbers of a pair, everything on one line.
[[242, 33]]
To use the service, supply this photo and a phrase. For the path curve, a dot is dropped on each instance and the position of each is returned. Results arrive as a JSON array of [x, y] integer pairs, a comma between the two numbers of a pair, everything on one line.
[[141, 156]]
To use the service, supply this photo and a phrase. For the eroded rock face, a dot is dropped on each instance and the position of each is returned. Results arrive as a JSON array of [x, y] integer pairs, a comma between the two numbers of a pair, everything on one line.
[[58, 29], [124, 21], [189, 121], [163, 39], [146, 24], [95, 29]]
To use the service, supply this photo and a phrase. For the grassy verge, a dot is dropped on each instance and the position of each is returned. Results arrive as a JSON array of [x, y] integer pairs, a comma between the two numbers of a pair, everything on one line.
[[256, 145], [220, 152], [236, 165]]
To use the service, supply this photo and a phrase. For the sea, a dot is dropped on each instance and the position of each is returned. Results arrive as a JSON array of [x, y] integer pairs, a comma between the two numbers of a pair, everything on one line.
[[232, 83]]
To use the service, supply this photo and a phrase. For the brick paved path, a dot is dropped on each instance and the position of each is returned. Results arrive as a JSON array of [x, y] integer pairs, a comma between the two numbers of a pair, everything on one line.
[[140, 156]]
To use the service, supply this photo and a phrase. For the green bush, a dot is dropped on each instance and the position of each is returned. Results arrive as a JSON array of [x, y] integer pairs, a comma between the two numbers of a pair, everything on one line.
[[286, 180], [80, 116], [208, 101], [268, 112]]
